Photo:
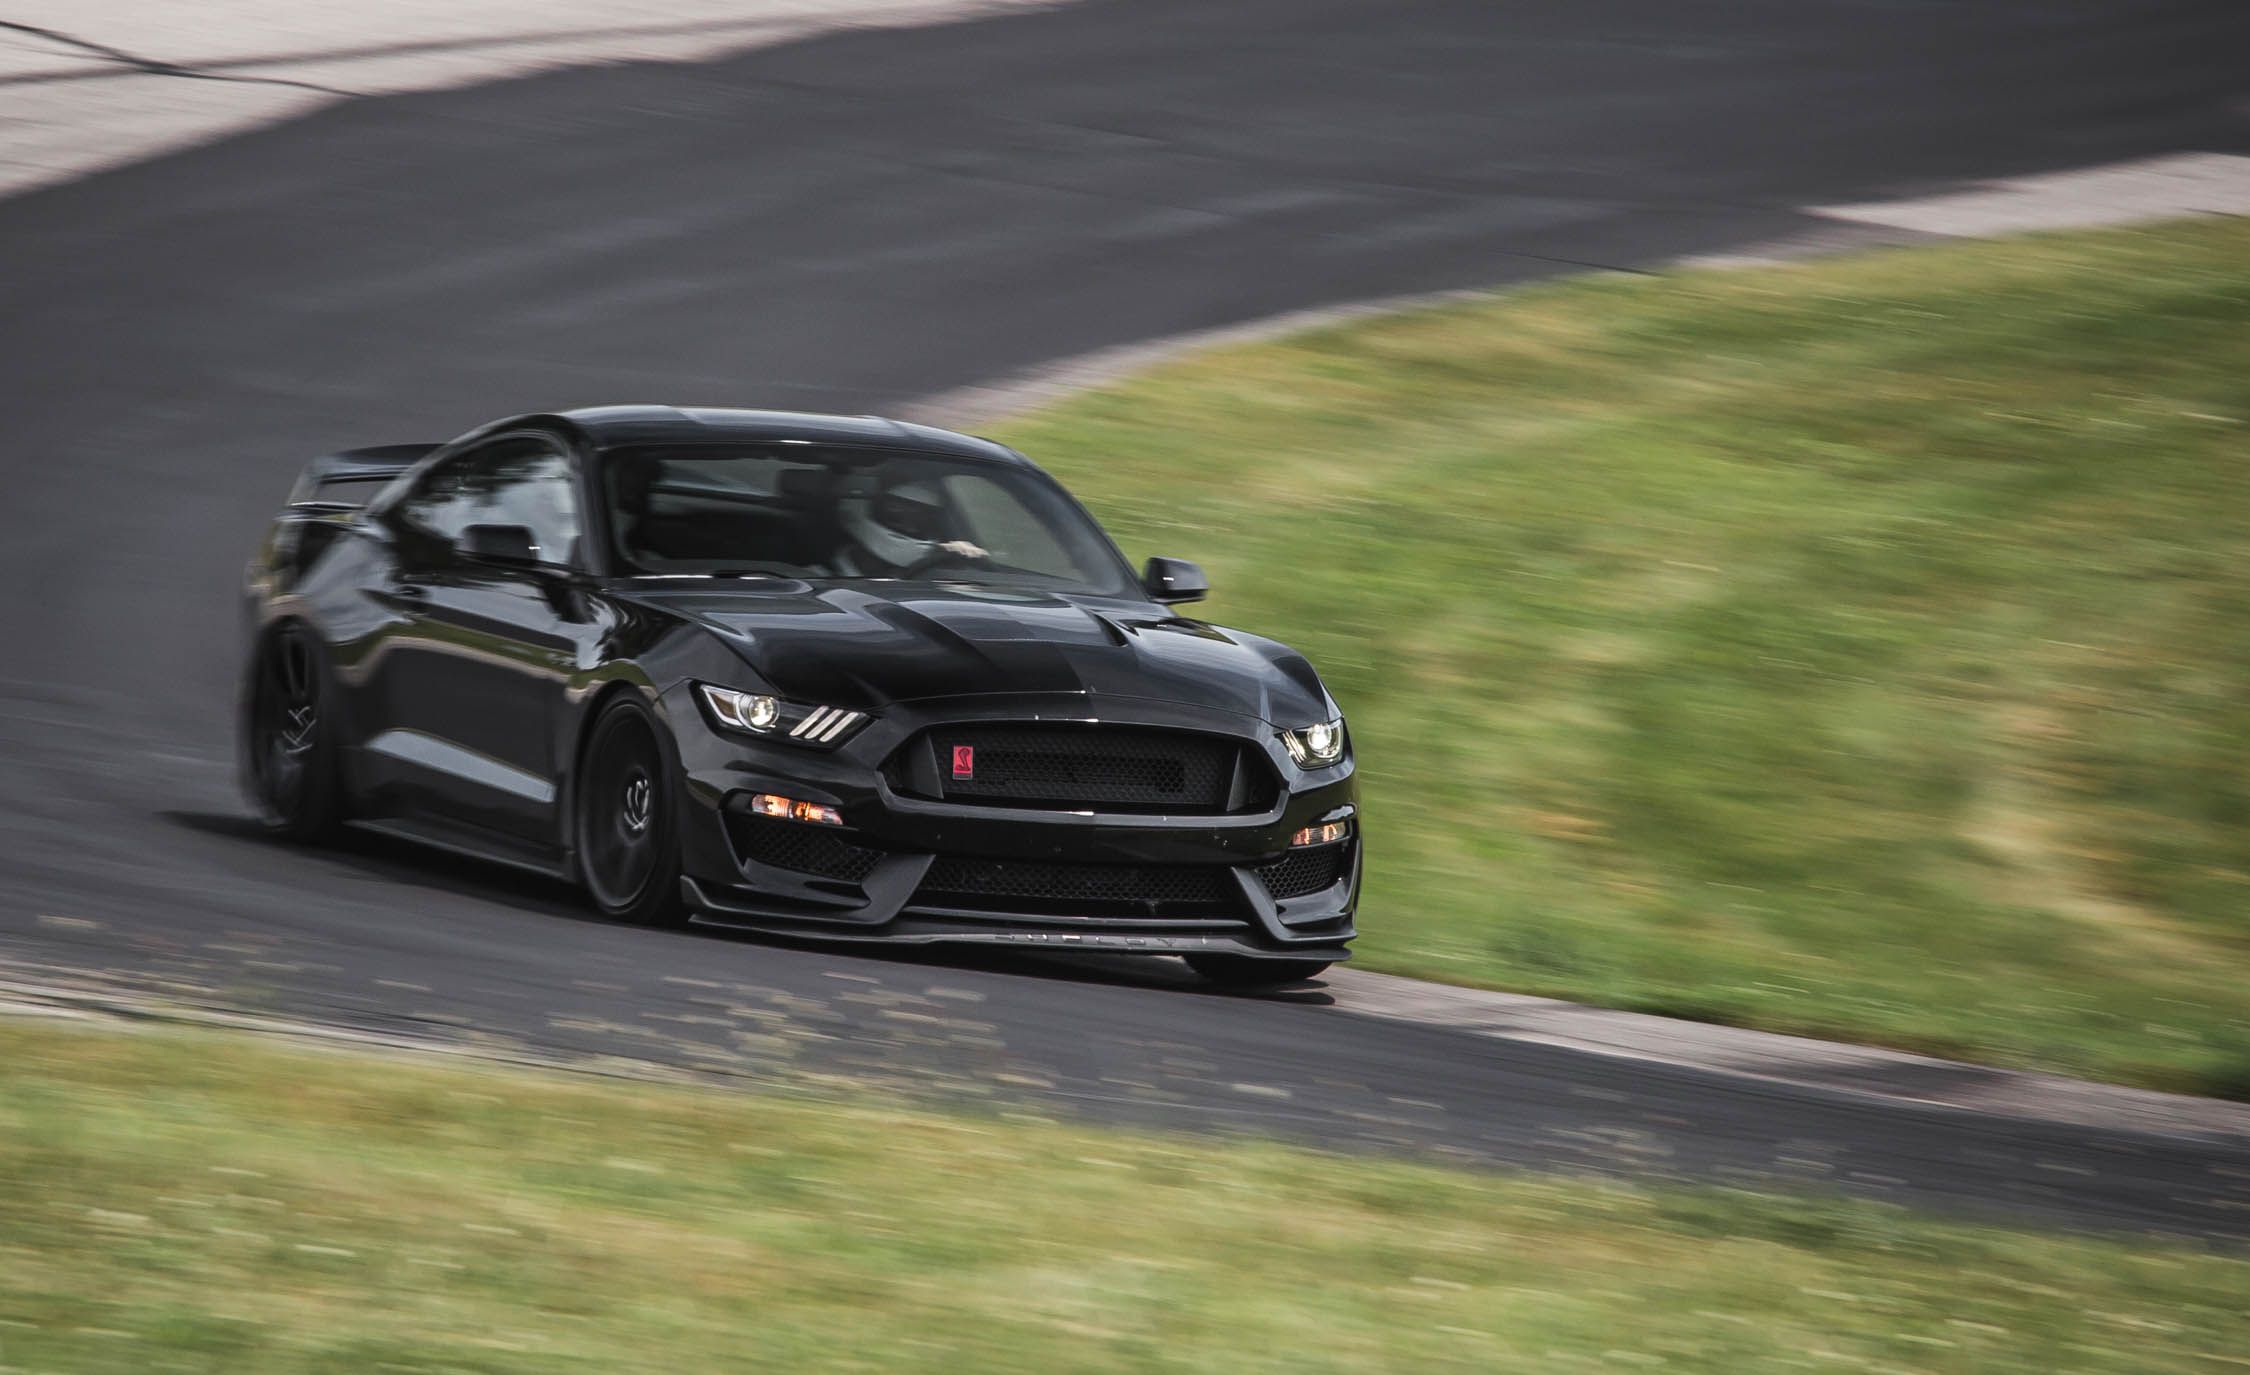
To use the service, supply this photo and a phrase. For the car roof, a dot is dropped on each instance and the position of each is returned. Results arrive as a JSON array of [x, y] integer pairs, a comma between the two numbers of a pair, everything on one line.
[[608, 427]]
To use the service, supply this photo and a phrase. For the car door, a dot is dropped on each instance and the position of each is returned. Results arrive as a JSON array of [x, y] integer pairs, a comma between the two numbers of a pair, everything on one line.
[[472, 683]]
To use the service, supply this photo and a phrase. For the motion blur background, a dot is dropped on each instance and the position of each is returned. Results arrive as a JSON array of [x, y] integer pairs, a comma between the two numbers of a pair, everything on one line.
[[1766, 481]]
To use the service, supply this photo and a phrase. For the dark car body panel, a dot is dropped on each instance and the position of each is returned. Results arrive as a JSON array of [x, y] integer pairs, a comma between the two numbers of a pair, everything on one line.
[[466, 688], [854, 647]]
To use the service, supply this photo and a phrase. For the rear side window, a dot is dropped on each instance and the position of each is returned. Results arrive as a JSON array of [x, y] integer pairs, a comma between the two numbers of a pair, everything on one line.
[[523, 481]]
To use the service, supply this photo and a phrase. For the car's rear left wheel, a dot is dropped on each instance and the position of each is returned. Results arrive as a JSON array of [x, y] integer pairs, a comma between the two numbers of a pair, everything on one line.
[[626, 827], [289, 737]]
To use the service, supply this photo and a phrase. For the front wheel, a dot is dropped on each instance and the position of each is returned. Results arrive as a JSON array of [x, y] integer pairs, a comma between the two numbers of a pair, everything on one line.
[[1246, 971], [625, 822]]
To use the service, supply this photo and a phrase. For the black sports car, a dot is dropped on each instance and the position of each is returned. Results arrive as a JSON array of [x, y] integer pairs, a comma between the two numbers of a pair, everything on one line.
[[816, 675]]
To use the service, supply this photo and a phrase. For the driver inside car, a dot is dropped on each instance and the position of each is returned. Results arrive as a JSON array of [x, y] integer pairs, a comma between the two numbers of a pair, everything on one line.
[[898, 528]]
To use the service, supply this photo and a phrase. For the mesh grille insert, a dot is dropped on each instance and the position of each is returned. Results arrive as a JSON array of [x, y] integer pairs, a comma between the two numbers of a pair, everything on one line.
[[1300, 872], [1123, 891], [1077, 767], [802, 848]]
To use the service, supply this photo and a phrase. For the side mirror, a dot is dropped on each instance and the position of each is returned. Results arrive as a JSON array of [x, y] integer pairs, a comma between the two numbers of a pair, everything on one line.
[[1174, 580], [508, 544]]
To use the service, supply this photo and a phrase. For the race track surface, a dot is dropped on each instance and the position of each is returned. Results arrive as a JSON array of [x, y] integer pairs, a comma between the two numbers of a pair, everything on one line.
[[849, 223]]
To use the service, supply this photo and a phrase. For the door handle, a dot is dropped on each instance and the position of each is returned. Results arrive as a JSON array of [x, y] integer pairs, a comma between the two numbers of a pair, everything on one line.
[[408, 592]]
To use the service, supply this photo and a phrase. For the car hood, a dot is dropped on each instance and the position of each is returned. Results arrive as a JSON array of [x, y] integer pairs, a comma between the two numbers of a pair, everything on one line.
[[853, 646]]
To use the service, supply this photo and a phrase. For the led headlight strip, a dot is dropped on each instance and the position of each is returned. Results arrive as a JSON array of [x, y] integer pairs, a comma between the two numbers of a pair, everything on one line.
[[825, 724]]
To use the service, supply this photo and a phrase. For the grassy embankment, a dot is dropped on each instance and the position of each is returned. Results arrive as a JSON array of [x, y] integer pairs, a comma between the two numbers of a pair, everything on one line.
[[1859, 648], [175, 1201]]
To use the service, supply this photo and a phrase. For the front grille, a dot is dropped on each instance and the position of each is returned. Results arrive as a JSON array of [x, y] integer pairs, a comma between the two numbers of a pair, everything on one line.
[[1309, 870], [802, 848], [1056, 888], [1072, 767]]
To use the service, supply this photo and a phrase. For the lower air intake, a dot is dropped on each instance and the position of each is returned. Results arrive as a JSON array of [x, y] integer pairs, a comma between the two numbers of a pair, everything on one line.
[[1312, 869], [802, 848], [1047, 887]]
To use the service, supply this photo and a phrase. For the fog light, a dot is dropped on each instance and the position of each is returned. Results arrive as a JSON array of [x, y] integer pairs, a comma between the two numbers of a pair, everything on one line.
[[791, 809], [1327, 833]]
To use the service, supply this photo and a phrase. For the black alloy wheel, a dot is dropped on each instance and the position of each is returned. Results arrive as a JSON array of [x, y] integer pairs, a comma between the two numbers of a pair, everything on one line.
[[626, 834], [290, 738], [1248, 971]]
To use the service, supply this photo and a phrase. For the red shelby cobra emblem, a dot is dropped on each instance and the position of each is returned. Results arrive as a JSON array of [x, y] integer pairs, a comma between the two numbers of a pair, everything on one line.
[[964, 761]]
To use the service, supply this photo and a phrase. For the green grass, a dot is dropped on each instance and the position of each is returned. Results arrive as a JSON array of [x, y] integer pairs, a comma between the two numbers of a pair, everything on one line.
[[175, 1201], [1859, 648]]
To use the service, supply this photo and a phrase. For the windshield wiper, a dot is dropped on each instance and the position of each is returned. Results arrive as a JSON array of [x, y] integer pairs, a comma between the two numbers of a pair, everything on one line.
[[710, 573]]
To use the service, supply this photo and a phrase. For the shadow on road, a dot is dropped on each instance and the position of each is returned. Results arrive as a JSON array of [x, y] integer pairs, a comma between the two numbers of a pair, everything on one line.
[[414, 866]]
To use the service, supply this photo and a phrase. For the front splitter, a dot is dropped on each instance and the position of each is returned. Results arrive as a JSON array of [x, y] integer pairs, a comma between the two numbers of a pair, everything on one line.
[[912, 928]]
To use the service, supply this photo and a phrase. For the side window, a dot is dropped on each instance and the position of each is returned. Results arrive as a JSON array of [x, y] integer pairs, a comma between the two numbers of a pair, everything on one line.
[[512, 482], [998, 522]]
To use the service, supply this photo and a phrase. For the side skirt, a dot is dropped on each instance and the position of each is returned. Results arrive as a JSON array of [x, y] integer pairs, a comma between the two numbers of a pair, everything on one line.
[[470, 844]]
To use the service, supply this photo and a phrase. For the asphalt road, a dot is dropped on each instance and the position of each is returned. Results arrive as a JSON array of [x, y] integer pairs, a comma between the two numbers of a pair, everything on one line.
[[848, 223]]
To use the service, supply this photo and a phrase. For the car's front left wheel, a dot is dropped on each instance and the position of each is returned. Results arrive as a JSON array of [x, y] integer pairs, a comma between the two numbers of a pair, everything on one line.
[[626, 826]]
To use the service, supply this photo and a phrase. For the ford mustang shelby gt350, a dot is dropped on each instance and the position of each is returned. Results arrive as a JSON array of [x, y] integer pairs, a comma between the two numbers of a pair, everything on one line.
[[816, 675]]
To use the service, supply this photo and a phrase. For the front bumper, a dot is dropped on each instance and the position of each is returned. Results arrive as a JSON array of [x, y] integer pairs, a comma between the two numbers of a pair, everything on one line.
[[1090, 880]]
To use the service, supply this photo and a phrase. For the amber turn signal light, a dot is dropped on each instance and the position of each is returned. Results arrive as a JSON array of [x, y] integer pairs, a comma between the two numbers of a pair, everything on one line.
[[790, 809]]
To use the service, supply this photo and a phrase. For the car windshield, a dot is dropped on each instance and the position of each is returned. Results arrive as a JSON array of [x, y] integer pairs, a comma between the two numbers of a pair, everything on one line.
[[840, 512]]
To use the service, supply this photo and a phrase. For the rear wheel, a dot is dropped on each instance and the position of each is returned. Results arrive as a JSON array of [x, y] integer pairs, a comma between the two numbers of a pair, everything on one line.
[[1246, 971], [289, 740], [626, 824]]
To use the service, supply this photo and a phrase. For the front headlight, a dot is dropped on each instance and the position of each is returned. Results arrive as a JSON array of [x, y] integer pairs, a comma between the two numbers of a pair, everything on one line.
[[800, 723], [1317, 745], [742, 710]]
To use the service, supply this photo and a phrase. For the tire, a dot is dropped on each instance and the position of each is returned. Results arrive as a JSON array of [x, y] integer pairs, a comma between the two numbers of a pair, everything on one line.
[[625, 825], [1248, 971], [289, 734]]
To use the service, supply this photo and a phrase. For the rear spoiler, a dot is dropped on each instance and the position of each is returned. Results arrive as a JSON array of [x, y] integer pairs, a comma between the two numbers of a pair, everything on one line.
[[348, 480]]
